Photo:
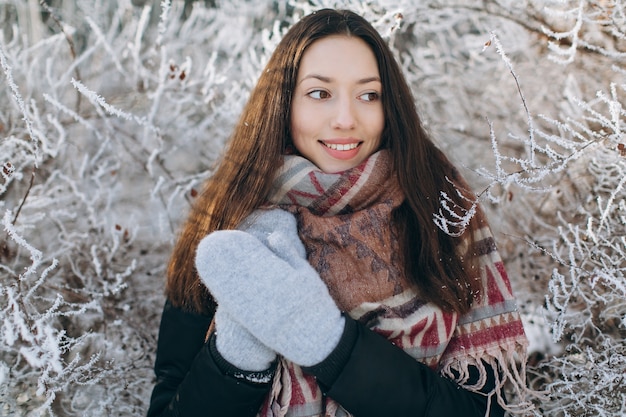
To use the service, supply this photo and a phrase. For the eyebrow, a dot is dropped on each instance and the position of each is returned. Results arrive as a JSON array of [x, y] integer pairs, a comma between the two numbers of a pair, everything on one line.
[[328, 79]]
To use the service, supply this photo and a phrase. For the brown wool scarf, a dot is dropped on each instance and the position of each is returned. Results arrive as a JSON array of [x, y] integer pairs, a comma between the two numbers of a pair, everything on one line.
[[344, 221]]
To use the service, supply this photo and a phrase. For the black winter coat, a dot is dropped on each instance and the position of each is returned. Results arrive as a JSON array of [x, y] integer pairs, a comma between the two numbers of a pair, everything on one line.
[[366, 374]]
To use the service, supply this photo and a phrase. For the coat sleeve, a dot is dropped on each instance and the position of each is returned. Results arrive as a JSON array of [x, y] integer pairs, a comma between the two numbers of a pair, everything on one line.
[[191, 379], [371, 377]]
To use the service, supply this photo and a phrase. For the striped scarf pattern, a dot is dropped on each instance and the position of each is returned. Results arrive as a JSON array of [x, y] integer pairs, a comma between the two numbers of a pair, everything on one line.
[[344, 221]]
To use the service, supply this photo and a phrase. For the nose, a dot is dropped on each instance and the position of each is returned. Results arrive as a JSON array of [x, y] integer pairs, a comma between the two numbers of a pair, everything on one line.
[[344, 116]]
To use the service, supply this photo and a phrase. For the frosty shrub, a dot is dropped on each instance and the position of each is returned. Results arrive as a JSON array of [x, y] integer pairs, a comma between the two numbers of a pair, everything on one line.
[[113, 113], [574, 224]]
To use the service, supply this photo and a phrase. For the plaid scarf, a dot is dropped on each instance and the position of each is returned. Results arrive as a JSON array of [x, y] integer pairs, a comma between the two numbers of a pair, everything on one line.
[[344, 221]]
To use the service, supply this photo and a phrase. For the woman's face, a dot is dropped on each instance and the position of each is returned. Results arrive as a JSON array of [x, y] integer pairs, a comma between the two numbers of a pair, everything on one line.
[[336, 112]]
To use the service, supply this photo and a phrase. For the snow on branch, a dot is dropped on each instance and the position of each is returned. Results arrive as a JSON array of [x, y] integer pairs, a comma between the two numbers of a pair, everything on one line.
[[29, 332], [166, 6], [452, 218], [587, 20], [20, 102], [98, 100]]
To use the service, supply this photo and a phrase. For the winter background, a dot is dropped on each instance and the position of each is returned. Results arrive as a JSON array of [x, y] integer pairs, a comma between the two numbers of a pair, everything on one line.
[[112, 113]]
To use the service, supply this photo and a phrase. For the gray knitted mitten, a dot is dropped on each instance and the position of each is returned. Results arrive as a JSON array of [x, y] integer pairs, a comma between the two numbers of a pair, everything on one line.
[[238, 346], [270, 289], [278, 230]]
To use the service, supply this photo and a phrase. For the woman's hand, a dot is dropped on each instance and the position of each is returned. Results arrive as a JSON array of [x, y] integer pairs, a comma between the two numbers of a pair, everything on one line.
[[238, 346], [278, 230], [283, 304]]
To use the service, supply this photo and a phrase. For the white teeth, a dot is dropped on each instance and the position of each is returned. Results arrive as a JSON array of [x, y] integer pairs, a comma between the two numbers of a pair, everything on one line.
[[341, 147]]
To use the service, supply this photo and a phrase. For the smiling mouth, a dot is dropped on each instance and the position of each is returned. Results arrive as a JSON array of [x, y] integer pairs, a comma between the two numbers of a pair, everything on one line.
[[341, 146]]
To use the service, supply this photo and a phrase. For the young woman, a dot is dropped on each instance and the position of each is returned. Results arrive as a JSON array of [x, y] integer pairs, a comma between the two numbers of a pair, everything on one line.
[[321, 252]]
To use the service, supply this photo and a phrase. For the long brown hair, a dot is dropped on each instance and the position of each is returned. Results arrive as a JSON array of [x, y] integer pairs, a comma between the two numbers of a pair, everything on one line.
[[243, 178]]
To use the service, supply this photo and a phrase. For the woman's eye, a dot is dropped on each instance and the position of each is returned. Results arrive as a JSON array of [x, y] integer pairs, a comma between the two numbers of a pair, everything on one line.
[[319, 94], [371, 96]]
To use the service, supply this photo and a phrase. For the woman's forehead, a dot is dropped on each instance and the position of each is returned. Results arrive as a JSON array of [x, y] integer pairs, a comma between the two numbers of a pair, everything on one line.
[[339, 57]]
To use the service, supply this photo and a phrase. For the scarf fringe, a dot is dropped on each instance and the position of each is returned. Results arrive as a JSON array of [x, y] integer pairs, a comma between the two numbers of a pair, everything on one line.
[[510, 378]]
